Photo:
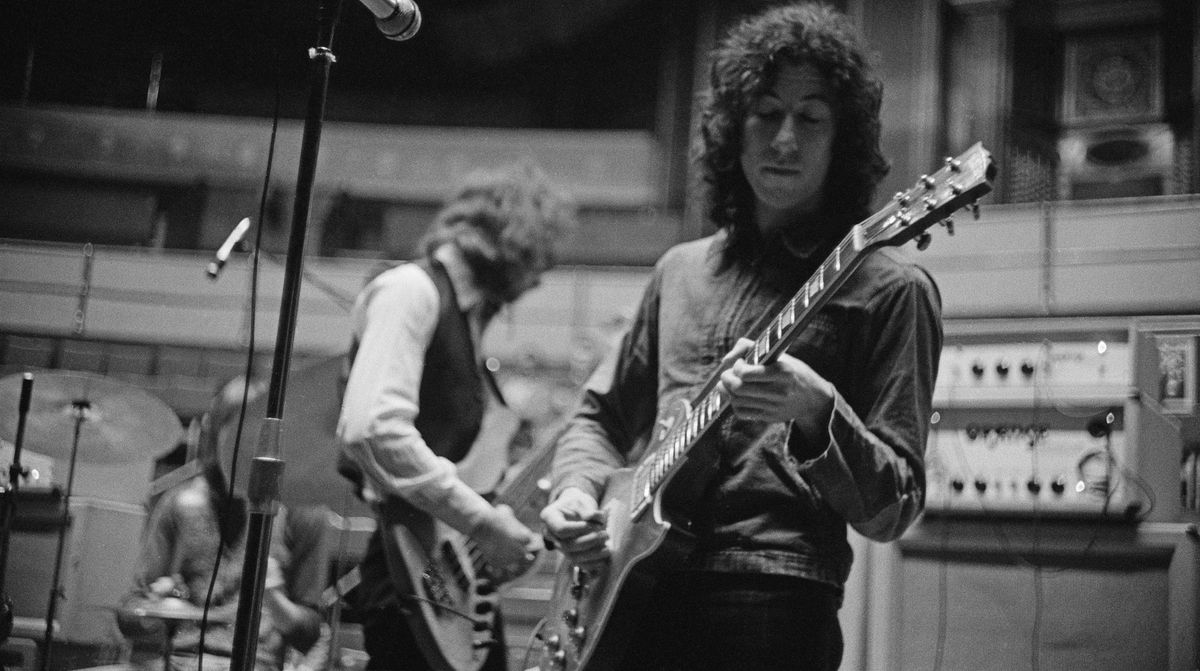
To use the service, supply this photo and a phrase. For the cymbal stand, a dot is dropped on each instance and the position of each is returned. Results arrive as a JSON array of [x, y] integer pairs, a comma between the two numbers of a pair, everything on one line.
[[8, 505], [80, 408], [169, 628]]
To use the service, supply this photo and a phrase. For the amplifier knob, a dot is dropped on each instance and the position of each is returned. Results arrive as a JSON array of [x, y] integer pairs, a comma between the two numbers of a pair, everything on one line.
[[957, 484], [1002, 368], [1059, 485], [977, 369], [980, 485], [1027, 368], [1034, 486]]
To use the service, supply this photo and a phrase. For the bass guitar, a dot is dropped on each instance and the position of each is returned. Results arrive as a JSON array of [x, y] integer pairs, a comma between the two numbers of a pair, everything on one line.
[[448, 593], [648, 506]]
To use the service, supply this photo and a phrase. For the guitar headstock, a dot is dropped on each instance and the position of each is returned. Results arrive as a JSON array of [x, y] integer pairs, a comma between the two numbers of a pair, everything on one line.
[[961, 181]]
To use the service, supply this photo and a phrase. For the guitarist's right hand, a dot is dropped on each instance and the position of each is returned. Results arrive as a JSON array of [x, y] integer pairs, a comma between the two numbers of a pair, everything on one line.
[[577, 525], [508, 547]]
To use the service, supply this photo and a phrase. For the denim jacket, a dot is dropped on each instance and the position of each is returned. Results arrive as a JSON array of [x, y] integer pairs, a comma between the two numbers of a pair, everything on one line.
[[777, 504]]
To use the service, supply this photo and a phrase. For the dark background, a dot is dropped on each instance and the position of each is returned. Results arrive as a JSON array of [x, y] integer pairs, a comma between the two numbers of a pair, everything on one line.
[[490, 63]]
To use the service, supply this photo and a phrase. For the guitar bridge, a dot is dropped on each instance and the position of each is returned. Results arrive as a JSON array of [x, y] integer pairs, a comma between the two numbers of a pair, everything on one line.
[[435, 587]]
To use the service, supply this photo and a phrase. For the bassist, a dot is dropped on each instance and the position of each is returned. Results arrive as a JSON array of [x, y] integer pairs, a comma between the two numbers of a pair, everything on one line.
[[416, 391], [830, 434]]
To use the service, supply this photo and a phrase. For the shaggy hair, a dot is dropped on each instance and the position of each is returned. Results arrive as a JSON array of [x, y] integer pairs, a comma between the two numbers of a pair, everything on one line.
[[744, 67], [509, 223]]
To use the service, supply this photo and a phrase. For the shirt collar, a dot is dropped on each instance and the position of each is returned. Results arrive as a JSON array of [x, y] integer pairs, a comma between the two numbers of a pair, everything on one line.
[[468, 294]]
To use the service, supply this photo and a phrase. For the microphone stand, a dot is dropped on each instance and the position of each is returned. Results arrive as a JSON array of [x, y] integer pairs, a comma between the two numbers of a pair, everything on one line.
[[267, 466], [9, 503]]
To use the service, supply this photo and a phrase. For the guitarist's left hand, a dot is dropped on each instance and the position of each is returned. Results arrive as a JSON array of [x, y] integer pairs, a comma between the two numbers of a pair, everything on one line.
[[787, 390]]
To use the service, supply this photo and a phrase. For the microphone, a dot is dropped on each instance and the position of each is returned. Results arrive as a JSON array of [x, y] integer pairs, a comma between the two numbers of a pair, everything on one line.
[[222, 255], [397, 19]]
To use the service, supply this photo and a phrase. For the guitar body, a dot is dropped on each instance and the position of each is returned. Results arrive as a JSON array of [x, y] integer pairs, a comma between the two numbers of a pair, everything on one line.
[[448, 593], [449, 606], [594, 612]]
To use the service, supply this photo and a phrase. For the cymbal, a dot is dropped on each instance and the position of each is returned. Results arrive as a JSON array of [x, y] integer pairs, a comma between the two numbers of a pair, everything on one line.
[[178, 610], [117, 421]]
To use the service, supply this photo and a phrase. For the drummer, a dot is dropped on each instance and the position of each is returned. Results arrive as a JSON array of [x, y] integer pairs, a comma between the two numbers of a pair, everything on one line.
[[189, 526]]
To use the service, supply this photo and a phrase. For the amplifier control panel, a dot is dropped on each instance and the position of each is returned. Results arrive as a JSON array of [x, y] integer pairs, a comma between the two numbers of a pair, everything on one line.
[[1033, 373], [1022, 467], [1032, 427]]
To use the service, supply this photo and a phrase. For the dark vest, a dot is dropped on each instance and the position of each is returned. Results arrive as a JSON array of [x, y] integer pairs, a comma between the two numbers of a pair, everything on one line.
[[452, 392], [451, 398]]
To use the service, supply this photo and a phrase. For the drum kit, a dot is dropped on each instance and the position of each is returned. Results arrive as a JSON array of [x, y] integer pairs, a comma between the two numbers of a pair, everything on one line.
[[75, 416]]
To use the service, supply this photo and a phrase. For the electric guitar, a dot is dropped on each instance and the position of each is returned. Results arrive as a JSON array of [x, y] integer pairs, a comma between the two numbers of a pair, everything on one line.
[[447, 592], [648, 506]]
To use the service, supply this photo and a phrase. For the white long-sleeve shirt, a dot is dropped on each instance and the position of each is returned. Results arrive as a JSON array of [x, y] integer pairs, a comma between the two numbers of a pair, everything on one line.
[[394, 319]]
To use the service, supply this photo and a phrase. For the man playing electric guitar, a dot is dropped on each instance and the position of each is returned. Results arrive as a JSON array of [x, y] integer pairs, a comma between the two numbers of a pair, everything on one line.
[[831, 432], [414, 405]]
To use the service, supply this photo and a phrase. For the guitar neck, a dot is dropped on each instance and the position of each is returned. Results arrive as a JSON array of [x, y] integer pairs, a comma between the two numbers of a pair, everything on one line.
[[527, 493], [530, 479]]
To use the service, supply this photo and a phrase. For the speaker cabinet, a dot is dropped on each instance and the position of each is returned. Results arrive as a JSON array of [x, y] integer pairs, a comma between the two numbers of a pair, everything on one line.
[[1117, 161], [1113, 143], [100, 555], [989, 595]]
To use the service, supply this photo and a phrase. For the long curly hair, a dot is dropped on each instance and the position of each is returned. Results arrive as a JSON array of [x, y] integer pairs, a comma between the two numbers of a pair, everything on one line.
[[509, 223], [744, 67]]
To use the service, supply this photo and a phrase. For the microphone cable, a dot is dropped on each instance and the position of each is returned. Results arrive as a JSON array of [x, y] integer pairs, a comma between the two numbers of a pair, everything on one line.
[[248, 373]]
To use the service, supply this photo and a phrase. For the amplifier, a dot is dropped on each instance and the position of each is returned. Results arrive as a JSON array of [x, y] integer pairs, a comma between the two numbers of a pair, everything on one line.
[[1033, 427], [1023, 467]]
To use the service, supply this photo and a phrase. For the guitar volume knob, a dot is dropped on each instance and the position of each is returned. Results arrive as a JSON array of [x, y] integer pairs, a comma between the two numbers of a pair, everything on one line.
[[578, 634]]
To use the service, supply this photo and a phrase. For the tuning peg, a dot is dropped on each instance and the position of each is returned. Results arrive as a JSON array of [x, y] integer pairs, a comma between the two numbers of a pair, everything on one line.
[[949, 224], [974, 208], [923, 240]]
